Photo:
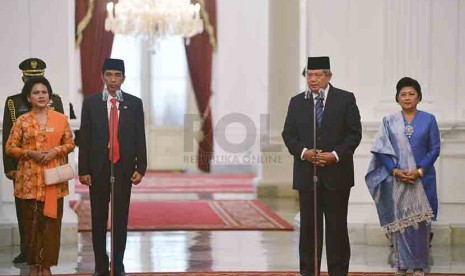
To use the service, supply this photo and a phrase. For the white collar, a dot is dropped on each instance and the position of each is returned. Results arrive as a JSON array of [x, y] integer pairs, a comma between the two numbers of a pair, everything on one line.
[[106, 95], [326, 90]]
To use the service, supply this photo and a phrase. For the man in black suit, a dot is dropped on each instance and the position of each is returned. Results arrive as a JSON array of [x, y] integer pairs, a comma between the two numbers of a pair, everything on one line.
[[338, 135], [15, 106], [96, 154]]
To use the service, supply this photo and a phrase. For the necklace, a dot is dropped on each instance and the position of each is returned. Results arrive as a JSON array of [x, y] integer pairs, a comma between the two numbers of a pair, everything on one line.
[[408, 125], [409, 130]]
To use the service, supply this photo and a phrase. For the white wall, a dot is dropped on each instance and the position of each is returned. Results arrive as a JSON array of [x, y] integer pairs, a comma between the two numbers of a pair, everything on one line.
[[15, 45], [37, 28], [373, 44]]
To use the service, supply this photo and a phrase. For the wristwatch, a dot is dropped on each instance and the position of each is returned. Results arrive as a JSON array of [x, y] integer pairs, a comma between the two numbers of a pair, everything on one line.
[[420, 171]]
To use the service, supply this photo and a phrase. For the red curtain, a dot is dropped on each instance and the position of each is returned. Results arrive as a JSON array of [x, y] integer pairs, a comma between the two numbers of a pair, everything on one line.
[[200, 60], [96, 45]]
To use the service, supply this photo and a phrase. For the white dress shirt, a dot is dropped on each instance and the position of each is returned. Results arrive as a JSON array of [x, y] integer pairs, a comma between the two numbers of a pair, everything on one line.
[[326, 91]]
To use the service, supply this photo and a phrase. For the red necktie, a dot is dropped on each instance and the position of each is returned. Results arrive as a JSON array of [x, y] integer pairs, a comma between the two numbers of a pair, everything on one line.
[[114, 151]]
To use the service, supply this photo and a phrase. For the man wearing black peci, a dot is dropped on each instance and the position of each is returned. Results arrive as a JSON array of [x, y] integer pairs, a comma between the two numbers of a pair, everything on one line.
[[338, 134], [96, 153]]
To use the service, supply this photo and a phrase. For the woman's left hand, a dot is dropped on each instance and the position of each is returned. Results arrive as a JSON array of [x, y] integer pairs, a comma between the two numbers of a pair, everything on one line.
[[48, 155]]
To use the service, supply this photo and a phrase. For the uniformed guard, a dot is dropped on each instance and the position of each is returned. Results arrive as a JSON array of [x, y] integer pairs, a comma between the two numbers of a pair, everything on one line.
[[15, 106]]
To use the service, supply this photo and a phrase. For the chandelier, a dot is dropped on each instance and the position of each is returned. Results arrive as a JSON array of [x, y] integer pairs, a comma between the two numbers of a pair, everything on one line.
[[154, 19]]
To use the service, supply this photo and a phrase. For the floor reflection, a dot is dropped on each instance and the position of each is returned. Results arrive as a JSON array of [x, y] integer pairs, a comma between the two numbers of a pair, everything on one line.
[[178, 251]]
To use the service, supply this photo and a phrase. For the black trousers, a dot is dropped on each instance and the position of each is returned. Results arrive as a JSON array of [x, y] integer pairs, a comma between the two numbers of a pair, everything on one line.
[[332, 204], [99, 200], [19, 216]]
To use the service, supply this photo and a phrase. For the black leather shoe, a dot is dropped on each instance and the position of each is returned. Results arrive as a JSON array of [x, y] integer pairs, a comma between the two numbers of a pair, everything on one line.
[[20, 259]]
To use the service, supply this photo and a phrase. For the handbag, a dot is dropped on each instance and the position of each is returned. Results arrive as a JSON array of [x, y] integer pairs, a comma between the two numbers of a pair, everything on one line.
[[58, 174]]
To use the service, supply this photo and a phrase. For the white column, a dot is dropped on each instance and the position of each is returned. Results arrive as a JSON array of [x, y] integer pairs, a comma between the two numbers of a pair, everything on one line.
[[240, 83], [285, 63], [460, 57], [407, 48]]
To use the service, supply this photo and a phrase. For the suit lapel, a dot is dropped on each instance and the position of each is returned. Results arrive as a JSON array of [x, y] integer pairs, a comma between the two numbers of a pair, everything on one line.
[[307, 115], [104, 114], [329, 105], [123, 109]]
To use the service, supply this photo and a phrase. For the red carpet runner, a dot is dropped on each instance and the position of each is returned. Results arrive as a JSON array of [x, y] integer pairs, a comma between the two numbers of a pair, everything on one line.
[[184, 183], [193, 215]]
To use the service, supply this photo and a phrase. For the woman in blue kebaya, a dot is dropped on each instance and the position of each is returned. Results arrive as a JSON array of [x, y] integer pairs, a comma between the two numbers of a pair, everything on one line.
[[402, 180]]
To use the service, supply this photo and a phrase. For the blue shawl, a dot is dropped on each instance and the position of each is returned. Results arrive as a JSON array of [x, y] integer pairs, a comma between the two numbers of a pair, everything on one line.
[[399, 205]]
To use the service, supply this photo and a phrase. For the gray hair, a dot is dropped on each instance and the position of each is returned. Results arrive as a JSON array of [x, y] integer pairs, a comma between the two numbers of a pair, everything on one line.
[[327, 72]]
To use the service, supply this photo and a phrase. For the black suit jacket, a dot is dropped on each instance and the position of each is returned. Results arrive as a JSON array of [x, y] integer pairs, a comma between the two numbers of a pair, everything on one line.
[[340, 131], [94, 135]]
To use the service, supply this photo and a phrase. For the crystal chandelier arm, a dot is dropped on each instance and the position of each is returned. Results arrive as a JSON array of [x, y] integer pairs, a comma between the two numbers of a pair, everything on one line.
[[154, 18]]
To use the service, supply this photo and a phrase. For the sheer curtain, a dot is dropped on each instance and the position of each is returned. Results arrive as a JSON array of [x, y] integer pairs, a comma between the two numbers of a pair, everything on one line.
[[167, 82]]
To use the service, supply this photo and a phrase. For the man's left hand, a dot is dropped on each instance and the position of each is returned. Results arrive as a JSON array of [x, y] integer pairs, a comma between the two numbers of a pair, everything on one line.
[[136, 178], [324, 159]]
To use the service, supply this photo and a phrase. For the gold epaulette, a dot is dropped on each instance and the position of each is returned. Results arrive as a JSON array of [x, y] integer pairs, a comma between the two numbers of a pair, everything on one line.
[[11, 108], [50, 104]]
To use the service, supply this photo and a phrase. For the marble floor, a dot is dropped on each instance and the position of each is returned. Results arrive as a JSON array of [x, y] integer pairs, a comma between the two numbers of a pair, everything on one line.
[[180, 251]]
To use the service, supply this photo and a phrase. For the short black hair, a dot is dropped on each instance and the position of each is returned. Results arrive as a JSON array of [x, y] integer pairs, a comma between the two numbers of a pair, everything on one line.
[[27, 88], [408, 82]]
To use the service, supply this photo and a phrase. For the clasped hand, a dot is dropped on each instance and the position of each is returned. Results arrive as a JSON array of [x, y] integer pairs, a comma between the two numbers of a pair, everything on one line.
[[42, 157], [407, 176], [320, 158]]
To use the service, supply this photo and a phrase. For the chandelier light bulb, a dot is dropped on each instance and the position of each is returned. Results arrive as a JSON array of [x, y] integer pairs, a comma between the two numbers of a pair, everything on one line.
[[154, 19]]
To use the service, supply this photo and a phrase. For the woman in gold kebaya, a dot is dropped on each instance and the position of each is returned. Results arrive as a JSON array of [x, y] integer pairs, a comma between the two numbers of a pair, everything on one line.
[[40, 139]]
